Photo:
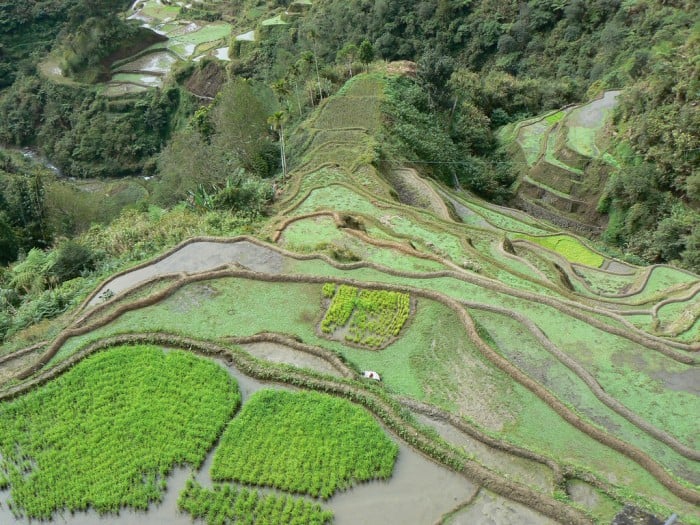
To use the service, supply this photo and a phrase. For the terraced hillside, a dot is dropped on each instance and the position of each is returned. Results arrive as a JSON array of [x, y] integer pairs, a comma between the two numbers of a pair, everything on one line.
[[543, 379], [564, 162]]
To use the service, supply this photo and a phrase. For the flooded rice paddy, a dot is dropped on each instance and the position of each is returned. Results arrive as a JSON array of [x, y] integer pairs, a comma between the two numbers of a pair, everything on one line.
[[420, 492]]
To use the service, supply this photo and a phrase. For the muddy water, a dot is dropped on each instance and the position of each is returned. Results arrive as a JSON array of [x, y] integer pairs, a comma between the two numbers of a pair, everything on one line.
[[519, 469], [420, 492], [199, 257], [278, 353], [490, 509]]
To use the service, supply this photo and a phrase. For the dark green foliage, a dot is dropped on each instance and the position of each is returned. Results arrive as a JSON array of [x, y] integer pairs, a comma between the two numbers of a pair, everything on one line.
[[77, 132], [420, 136], [416, 132], [366, 52], [8, 241], [228, 505], [86, 46], [72, 259], [22, 201], [30, 27]]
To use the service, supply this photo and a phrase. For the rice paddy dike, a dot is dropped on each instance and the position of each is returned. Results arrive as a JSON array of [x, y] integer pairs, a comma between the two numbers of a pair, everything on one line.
[[556, 383]]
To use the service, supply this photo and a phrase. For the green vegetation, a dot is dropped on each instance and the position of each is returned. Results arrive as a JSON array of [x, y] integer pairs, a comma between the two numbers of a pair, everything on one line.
[[226, 505], [375, 315], [106, 433], [569, 247], [205, 134], [303, 442]]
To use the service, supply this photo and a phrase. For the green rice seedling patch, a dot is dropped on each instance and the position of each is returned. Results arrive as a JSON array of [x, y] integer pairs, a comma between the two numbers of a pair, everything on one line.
[[568, 247], [373, 317], [364, 85], [207, 33], [340, 308], [606, 283], [663, 277], [550, 156], [443, 244], [583, 141], [555, 117], [350, 112], [337, 198], [531, 140], [517, 344], [274, 21], [505, 222], [105, 434], [226, 504], [304, 443]]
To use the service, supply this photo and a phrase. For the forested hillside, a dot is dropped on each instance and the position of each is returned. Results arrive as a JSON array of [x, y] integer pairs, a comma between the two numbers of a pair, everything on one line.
[[480, 65], [476, 222]]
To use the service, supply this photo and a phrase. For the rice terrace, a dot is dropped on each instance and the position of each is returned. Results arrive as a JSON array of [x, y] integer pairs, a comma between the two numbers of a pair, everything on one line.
[[527, 376]]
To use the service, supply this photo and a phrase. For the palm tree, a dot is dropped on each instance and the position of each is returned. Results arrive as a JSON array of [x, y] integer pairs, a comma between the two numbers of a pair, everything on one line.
[[313, 35], [276, 122], [295, 72], [281, 90]]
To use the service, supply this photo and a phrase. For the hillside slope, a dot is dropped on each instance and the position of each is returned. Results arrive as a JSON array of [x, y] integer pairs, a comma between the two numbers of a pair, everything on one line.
[[561, 383]]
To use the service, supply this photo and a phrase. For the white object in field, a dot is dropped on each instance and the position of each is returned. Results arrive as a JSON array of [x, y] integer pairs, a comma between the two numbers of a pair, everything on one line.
[[372, 375]]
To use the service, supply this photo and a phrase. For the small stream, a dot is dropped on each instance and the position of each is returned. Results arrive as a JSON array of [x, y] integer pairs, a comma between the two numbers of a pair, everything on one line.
[[34, 156], [420, 492]]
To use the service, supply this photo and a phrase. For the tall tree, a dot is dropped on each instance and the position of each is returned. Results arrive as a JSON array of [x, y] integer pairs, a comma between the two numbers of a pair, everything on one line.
[[276, 121], [366, 52]]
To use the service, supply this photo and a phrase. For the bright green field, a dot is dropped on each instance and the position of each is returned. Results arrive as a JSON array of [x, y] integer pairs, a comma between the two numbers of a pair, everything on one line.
[[303, 443], [569, 247], [106, 433], [226, 504]]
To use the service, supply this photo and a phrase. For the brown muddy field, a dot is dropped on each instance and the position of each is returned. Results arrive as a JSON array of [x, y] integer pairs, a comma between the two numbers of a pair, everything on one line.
[[198, 257]]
